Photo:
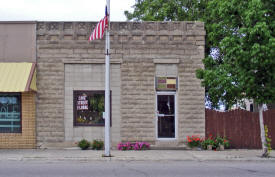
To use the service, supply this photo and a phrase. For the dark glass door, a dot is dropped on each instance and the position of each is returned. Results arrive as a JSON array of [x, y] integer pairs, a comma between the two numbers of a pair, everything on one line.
[[166, 116]]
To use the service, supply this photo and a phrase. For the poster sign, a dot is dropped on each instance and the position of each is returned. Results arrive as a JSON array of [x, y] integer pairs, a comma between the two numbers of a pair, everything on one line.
[[166, 83], [89, 107], [82, 102]]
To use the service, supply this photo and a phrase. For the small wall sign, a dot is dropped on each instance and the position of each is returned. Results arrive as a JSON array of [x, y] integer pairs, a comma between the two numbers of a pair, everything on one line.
[[166, 83], [82, 102]]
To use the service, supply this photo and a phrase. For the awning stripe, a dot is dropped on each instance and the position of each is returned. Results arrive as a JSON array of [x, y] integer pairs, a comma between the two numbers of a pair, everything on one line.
[[30, 77]]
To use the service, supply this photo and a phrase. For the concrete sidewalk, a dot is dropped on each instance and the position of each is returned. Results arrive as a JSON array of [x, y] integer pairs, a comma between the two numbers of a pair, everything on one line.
[[149, 155]]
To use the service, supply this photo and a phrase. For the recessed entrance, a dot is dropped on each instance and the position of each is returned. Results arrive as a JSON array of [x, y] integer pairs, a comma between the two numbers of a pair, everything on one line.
[[166, 115]]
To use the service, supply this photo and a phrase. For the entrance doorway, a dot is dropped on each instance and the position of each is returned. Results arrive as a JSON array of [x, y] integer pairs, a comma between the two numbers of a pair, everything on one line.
[[166, 115]]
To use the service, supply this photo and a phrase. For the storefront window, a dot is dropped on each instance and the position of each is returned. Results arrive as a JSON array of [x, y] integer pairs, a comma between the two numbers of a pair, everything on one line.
[[89, 108], [10, 113]]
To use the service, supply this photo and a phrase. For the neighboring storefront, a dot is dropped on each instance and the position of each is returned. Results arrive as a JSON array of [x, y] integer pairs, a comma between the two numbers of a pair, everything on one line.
[[17, 85], [155, 95], [17, 105]]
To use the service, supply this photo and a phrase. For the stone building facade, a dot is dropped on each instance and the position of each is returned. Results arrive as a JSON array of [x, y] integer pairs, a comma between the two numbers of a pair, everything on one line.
[[143, 55]]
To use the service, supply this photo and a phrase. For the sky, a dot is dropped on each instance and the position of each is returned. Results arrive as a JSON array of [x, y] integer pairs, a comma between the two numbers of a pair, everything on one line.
[[62, 10]]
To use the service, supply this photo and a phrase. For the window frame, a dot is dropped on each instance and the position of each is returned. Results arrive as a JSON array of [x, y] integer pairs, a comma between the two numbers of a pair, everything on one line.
[[19, 95], [75, 124]]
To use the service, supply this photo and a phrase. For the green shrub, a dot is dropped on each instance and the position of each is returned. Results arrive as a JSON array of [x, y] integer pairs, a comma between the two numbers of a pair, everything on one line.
[[97, 144], [208, 141], [83, 144], [221, 141]]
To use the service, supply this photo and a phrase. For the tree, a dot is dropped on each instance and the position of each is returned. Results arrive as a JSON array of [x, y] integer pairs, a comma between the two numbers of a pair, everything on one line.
[[242, 32]]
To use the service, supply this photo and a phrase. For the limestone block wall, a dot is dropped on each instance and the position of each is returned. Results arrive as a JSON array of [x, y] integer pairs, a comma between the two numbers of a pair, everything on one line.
[[138, 100], [27, 138], [91, 77], [138, 47]]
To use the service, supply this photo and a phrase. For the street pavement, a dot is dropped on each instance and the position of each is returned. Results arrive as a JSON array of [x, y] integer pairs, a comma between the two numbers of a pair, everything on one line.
[[136, 169], [75, 154]]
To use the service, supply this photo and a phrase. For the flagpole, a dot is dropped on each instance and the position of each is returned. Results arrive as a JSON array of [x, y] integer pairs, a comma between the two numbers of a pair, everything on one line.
[[107, 85]]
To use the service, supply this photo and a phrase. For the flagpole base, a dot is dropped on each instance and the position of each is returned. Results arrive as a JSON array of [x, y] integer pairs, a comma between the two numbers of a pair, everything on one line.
[[103, 155]]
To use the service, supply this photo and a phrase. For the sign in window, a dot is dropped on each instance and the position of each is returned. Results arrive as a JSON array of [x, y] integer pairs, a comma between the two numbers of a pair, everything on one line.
[[89, 108], [10, 113]]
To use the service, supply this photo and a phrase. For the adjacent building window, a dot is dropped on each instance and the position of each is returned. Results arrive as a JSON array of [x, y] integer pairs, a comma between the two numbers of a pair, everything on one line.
[[10, 113], [89, 108]]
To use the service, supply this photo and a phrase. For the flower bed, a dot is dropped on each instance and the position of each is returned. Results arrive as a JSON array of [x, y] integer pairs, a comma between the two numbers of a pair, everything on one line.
[[194, 141], [221, 141], [217, 143], [133, 146]]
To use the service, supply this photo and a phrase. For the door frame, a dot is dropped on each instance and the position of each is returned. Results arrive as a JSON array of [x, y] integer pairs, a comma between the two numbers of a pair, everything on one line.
[[176, 114]]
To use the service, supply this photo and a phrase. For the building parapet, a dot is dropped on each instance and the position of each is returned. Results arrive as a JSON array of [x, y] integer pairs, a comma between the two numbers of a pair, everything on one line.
[[122, 31]]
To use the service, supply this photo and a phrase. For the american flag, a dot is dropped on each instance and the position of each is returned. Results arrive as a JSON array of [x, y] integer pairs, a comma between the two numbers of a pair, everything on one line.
[[100, 28]]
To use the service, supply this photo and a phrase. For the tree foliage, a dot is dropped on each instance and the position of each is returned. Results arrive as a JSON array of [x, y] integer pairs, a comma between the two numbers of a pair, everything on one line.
[[243, 34], [163, 10]]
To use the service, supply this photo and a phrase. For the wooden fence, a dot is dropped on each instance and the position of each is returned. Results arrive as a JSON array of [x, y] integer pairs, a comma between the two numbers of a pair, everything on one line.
[[240, 127]]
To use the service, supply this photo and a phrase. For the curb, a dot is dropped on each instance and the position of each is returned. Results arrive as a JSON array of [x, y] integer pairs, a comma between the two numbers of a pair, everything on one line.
[[129, 159]]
